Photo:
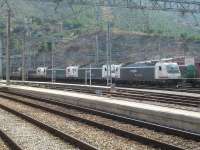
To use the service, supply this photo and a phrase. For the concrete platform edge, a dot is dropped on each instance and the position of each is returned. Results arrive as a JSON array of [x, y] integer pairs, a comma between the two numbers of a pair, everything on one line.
[[174, 120]]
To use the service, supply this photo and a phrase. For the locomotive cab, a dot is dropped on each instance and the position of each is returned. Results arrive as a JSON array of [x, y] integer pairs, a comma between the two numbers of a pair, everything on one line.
[[16, 75], [41, 72], [19, 69], [167, 70], [72, 72], [114, 72]]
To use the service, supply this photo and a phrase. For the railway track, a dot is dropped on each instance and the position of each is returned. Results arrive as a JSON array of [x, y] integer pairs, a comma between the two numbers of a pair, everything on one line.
[[67, 138], [9, 141], [59, 108], [158, 97], [187, 89]]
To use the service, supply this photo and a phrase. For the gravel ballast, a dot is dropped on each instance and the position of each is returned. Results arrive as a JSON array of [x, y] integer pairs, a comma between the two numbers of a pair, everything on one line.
[[28, 136], [96, 137], [3, 146], [178, 141]]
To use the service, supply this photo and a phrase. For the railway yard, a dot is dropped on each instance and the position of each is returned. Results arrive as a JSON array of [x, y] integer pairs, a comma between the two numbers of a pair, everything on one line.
[[99, 75], [32, 117]]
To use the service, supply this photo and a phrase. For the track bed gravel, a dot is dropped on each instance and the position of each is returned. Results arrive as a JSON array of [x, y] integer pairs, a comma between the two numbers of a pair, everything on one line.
[[98, 138], [3, 146], [28, 136], [171, 139]]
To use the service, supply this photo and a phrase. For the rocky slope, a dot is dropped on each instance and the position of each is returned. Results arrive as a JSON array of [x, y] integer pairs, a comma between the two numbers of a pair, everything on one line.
[[125, 47]]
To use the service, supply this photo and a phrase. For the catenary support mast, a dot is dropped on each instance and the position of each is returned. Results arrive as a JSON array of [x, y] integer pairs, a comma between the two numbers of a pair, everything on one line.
[[8, 48]]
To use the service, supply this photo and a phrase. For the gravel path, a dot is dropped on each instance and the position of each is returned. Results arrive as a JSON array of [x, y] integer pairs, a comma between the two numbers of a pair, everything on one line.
[[3, 146], [185, 143], [29, 136], [94, 136]]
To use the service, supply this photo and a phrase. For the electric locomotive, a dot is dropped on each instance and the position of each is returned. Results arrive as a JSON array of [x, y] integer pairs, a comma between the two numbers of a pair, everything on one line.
[[130, 73]]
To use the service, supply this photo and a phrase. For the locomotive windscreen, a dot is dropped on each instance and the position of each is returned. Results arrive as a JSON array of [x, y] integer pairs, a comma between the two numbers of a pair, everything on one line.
[[173, 68]]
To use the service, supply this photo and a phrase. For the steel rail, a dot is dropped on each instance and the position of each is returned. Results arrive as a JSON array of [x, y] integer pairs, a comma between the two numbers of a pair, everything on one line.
[[152, 126], [157, 94], [119, 132], [166, 96], [67, 138], [149, 125], [9, 141], [78, 86], [167, 100]]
